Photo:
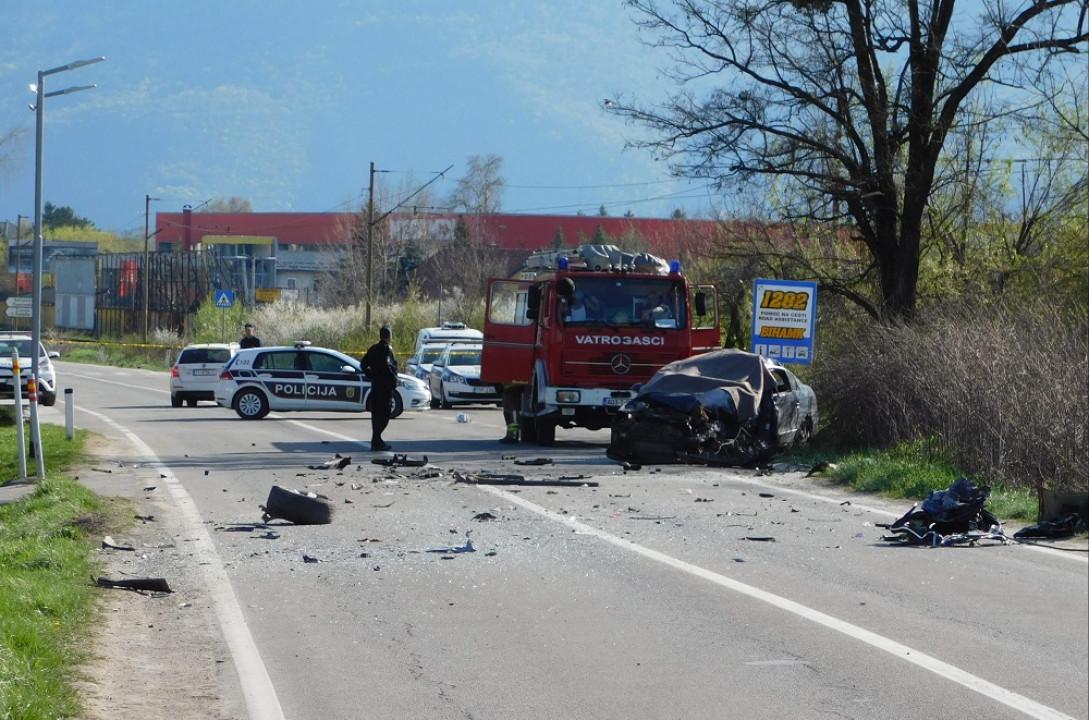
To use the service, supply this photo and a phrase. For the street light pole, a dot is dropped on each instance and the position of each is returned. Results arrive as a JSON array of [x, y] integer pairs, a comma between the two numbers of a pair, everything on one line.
[[370, 246], [147, 238], [18, 257], [36, 302]]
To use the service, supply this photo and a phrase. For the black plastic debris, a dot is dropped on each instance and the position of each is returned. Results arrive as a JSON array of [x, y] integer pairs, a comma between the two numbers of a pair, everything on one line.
[[484, 516], [400, 460], [296, 507], [949, 517], [490, 479], [334, 463], [137, 584], [534, 461], [1052, 529]]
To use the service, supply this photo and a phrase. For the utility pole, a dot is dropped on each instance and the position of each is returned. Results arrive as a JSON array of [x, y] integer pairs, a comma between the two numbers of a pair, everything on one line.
[[372, 221], [370, 246], [147, 238]]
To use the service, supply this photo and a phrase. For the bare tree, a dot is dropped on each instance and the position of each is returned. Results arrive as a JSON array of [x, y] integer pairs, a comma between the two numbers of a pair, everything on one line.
[[480, 190], [844, 107]]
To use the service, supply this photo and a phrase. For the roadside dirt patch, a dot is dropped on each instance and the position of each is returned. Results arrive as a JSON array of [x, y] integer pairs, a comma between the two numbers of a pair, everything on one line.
[[152, 656]]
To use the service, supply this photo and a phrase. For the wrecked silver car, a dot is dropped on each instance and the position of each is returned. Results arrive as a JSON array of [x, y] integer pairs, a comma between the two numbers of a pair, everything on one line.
[[726, 407]]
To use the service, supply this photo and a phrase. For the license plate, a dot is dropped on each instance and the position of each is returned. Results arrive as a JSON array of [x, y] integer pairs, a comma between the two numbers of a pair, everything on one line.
[[483, 389], [614, 401], [204, 372]]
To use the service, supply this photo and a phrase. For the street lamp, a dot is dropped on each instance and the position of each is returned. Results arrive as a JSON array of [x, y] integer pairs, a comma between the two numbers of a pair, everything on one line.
[[36, 307], [147, 238]]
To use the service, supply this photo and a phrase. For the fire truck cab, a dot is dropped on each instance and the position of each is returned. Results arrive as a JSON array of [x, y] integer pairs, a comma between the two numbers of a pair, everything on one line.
[[578, 339]]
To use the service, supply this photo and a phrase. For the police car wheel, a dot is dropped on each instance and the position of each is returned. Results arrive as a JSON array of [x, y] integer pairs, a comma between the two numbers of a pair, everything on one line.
[[397, 405], [175, 400], [444, 402], [250, 404]]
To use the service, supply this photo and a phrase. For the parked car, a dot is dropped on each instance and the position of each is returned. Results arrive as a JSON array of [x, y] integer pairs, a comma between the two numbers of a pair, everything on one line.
[[419, 365], [47, 373], [195, 373], [448, 332], [726, 407], [455, 378], [257, 381]]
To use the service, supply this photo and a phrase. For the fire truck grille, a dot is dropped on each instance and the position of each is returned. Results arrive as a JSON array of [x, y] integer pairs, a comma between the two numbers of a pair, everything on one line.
[[615, 365]]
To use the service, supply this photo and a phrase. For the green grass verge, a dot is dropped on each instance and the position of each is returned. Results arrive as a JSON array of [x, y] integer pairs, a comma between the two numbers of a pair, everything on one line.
[[117, 355], [46, 601], [910, 471]]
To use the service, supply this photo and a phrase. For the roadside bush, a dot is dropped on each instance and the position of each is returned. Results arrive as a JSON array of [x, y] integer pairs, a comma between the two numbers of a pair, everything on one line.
[[999, 391]]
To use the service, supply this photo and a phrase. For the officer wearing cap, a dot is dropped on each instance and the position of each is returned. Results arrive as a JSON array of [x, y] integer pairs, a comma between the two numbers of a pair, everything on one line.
[[381, 367]]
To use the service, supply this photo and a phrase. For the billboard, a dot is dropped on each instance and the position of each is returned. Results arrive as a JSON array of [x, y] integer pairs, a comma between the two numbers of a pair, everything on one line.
[[784, 318]]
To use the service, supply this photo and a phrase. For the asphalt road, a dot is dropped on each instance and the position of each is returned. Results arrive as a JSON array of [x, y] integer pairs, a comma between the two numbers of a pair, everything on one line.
[[644, 597]]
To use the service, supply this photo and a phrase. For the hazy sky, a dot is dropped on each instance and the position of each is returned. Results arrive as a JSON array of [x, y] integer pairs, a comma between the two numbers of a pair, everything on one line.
[[286, 103]]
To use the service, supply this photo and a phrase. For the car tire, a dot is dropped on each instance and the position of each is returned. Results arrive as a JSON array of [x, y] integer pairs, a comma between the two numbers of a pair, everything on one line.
[[48, 399], [435, 402], [546, 432], [192, 402], [443, 401], [397, 405], [175, 400], [250, 404], [805, 432]]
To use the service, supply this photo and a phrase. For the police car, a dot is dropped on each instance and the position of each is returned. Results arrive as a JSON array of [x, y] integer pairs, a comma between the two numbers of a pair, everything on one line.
[[257, 381], [47, 374]]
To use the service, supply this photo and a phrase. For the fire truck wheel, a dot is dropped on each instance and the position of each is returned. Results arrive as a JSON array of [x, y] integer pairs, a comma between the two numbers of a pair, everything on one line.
[[527, 429], [546, 432]]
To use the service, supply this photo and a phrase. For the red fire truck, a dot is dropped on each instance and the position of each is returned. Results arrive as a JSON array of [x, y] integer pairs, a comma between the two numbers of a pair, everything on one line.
[[578, 338]]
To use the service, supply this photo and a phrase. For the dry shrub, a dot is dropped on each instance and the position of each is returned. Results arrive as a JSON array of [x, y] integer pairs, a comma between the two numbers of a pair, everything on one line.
[[1000, 391]]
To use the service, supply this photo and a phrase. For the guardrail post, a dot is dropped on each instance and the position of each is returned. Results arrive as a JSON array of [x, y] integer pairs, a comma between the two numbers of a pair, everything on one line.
[[69, 413]]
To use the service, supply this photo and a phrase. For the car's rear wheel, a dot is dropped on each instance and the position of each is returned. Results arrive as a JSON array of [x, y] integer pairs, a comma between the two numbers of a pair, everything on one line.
[[250, 404], [175, 400], [397, 405], [805, 432]]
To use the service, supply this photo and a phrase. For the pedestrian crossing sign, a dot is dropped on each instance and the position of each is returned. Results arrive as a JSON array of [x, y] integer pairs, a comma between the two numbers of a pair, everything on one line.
[[224, 298]]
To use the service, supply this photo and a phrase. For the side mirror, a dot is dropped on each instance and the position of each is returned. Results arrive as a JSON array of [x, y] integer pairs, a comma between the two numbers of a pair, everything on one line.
[[565, 288], [349, 369], [700, 300], [54, 354]]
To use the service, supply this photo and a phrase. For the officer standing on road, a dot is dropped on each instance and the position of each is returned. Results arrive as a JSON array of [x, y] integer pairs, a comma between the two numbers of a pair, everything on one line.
[[249, 340], [381, 367]]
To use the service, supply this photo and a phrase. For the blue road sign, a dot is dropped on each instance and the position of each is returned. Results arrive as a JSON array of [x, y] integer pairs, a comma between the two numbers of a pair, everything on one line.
[[224, 298]]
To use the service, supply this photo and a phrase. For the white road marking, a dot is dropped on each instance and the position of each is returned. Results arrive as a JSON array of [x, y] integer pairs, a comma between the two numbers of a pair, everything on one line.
[[257, 687], [950, 672]]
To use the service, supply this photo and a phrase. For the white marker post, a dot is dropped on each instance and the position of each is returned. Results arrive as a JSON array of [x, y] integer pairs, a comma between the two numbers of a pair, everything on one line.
[[69, 413], [17, 393]]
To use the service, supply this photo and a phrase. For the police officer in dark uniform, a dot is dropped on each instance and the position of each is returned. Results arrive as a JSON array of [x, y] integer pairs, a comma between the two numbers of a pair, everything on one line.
[[381, 367]]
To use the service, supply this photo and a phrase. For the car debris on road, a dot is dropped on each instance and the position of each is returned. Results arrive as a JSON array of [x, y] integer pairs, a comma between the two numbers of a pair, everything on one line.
[[296, 507], [954, 516], [490, 479]]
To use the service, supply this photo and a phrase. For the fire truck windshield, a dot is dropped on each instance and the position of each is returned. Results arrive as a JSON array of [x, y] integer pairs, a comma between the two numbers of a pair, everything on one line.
[[626, 302]]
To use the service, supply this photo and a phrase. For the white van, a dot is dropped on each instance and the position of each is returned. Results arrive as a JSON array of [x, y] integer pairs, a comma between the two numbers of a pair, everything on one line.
[[448, 333]]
